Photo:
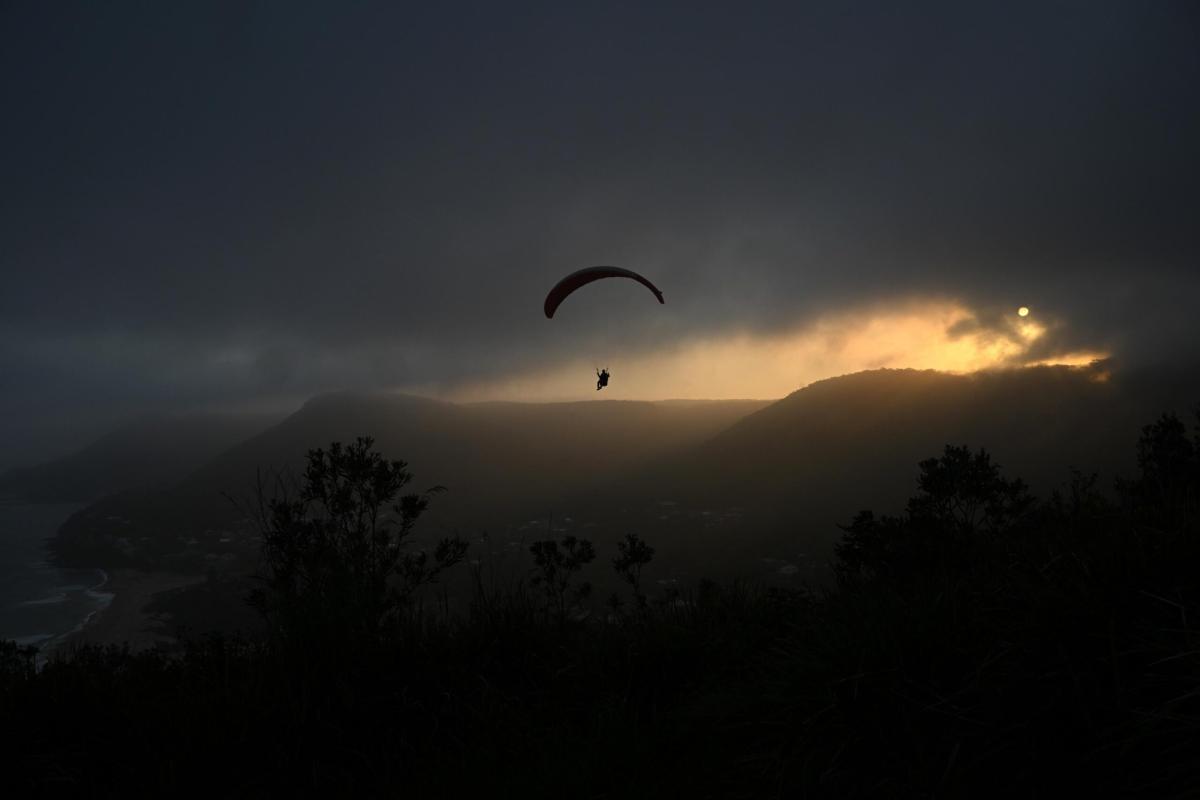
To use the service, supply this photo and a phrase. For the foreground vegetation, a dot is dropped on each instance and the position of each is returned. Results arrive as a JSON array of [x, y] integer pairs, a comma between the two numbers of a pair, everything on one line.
[[982, 642]]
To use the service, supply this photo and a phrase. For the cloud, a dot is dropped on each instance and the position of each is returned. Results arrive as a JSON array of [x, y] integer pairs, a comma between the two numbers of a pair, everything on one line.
[[378, 198], [929, 333]]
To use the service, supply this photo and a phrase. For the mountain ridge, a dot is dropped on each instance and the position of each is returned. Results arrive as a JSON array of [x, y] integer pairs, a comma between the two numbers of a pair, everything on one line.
[[733, 475]]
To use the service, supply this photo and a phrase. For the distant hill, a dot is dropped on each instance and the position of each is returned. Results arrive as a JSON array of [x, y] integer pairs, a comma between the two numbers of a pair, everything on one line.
[[742, 485], [796, 469], [151, 452], [498, 460]]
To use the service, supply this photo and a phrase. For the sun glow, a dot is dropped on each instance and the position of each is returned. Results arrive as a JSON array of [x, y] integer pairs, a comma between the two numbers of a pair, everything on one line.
[[1079, 359], [917, 335]]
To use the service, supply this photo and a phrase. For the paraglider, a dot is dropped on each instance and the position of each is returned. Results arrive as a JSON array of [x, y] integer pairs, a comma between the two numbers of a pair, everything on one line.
[[582, 277], [585, 276]]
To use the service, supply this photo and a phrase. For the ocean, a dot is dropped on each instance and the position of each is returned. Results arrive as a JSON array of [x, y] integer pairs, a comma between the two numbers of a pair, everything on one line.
[[39, 602]]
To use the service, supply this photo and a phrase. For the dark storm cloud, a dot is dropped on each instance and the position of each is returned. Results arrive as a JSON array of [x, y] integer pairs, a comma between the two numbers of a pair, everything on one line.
[[217, 202]]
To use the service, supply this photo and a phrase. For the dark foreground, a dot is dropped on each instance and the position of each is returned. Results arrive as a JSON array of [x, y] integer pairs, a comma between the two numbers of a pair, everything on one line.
[[982, 643]]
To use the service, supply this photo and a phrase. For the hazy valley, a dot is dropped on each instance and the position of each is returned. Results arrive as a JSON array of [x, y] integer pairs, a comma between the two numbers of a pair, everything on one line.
[[723, 488]]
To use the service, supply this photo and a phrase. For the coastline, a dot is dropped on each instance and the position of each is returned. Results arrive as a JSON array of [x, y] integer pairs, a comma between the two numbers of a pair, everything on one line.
[[102, 591], [124, 619]]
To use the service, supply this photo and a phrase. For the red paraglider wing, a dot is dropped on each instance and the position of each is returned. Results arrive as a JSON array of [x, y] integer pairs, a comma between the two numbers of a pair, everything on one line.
[[586, 276]]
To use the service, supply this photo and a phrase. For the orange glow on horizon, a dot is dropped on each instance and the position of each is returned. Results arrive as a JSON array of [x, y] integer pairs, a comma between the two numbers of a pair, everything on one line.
[[1080, 359], [746, 365]]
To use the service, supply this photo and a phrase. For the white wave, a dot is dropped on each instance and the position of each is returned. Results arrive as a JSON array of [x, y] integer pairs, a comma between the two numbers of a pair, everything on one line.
[[45, 601], [103, 597]]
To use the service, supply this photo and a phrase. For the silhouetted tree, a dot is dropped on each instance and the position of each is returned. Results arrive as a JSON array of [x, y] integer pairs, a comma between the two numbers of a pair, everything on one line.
[[1167, 490], [1165, 454], [17, 663], [964, 492], [334, 556], [556, 567], [961, 494], [877, 548], [632, 554]]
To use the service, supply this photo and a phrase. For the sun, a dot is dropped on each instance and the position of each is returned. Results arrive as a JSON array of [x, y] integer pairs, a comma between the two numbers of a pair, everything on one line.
[[1022, 312]]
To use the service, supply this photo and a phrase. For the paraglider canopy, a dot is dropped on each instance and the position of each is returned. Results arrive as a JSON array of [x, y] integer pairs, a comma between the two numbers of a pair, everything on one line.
[[586, 276]]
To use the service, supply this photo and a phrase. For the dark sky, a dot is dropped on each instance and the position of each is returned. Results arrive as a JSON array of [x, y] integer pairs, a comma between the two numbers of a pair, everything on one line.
[[233, 203]]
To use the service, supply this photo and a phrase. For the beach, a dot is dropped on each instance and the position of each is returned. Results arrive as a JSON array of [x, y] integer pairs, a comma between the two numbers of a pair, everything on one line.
[[125, 619]]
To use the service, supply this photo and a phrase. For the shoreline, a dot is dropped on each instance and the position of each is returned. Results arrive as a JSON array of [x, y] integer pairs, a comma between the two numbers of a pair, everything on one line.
[[123, 620], [97, 592]]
